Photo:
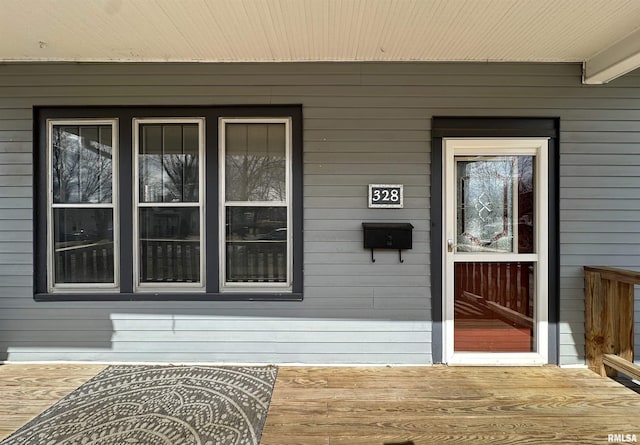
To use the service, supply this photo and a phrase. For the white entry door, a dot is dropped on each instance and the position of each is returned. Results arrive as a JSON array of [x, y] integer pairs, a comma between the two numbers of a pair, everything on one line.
[[495, 251]]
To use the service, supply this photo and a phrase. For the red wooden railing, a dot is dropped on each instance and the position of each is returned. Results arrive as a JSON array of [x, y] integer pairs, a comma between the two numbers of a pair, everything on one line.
[[505, 284]]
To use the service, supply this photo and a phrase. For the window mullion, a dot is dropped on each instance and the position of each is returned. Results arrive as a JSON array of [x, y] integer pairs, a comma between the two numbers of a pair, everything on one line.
[[256, 204]]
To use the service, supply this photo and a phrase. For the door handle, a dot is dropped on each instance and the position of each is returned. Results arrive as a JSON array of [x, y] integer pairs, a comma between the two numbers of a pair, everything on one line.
[[451, 245]]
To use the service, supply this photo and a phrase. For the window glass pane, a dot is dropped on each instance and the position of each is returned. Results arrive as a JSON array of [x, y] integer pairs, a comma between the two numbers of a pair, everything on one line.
[[169, 244], [495, 204], [190, 139], [83, 245], [526, 204], [255, 162], [256, 245], [168, 163], [82, 163]]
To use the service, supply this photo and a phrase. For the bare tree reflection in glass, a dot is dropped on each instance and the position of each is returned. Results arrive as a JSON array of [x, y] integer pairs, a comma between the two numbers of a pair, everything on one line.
[[169, 212], [256, 202], [82, 177], [82, 164]]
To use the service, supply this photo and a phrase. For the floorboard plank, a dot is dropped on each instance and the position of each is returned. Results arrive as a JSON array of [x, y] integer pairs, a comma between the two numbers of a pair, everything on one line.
[[440, 404], [393, 405]]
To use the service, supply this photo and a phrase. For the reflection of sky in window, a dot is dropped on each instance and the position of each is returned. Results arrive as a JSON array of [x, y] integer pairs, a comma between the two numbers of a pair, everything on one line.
[[168, 163], [255, 162], [82, 164]]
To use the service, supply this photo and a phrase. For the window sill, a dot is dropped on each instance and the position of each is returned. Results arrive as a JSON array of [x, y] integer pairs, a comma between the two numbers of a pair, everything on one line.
[[157, 296]]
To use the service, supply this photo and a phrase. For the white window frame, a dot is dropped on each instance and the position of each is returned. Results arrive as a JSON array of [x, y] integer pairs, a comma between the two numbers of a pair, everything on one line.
[[83, 287], [160, 287], [230, 287]]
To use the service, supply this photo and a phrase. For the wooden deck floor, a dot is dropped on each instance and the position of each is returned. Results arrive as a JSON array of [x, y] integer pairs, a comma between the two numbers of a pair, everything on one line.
[[393, 405]]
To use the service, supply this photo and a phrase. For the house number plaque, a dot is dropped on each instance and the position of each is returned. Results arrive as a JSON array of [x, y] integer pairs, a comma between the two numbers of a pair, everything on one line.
[[386, 196]]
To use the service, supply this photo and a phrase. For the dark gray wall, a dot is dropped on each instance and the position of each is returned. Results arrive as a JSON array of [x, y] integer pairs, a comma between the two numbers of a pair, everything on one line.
[[363, 123]]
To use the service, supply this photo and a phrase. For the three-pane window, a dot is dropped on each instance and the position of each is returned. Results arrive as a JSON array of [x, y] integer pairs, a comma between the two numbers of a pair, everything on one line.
[[169, 204]]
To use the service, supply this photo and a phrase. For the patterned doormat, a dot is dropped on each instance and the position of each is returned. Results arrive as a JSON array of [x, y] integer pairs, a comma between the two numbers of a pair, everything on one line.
[[158, 405]]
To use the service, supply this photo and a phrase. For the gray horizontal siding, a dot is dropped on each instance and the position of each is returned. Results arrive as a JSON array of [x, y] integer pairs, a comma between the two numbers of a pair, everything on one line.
[[363, 123]]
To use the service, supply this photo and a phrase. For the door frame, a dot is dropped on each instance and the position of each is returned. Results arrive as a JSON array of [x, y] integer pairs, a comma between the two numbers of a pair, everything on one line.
[[494, 128], [454, 147]]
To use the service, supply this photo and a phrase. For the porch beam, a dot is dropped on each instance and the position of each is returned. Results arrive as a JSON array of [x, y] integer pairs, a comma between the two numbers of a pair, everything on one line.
[[613, 62]]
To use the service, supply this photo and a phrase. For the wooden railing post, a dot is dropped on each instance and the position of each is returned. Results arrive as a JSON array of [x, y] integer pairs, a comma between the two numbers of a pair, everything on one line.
[[594, 332], [625, 317], [609, 298]]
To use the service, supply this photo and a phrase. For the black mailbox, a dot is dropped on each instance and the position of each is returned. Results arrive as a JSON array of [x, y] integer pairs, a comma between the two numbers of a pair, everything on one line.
[[388, 236]]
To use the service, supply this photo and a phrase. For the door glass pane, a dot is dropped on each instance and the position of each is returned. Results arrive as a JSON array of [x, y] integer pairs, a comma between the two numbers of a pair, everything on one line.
[[83, 245], [495, 203], [256, 244], [82, 167], [494, 307], [168, 163], [255, 162], [169, 244]]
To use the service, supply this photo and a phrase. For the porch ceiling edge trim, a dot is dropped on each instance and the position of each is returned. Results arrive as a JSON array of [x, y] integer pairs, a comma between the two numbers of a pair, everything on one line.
[[613, 62]]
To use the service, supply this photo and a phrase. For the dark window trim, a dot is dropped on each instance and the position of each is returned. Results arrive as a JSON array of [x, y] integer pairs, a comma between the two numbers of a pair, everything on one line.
[[170, 296], [495, 127], [125, 115]]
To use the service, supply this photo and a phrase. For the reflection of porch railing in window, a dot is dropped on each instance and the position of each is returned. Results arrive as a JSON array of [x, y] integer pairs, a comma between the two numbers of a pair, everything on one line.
[[256, 261], [88, 263], [169, 261], [500, 288]]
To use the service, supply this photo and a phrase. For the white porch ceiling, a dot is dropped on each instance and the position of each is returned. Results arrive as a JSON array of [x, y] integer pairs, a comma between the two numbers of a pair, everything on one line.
[[602, 33]]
